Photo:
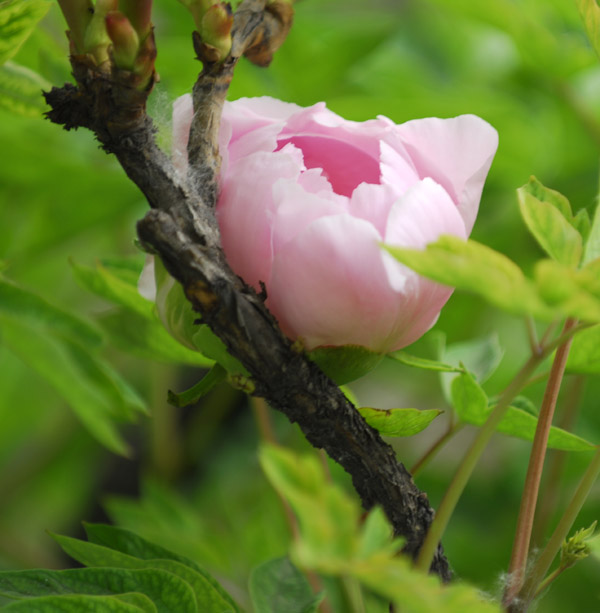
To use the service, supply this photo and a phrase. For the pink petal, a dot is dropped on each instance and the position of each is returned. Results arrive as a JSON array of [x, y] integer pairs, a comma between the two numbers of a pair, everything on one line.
[[330, 287], [456, 153], [183, 111]]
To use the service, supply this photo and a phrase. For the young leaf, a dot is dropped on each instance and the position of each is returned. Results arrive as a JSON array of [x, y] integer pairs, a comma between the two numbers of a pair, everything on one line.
[[473, 267], [584, 356], [208, 599], [72, 603], [590, 13], [592, 246], [21, 90], [169, 593], [399, 422], [18, 18], [277, 586], [127, 542], [216, 375], [549, 226], [424, 363], [469, 400], [347, 363]]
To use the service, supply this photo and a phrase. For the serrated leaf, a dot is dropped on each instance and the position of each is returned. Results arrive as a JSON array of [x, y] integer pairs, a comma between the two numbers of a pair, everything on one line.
[[549, 226], [346, 363], [27, 307], [584, 355], [102, 282], [21, 90], [277, 586], [53, 360], [471, 266], [216, 375], [169, 593], [423, 363], [17, 20], [72, 603], [127, 542], [208, 599], [399, 422], [148, 339]]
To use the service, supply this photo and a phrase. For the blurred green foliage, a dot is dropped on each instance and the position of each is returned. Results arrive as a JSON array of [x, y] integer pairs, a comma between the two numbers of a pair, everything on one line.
[[193, 482]]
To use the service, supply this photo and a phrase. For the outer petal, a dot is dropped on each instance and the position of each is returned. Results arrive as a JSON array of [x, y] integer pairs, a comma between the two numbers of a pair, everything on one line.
[[456, 153], [329, 285], [245, 211]]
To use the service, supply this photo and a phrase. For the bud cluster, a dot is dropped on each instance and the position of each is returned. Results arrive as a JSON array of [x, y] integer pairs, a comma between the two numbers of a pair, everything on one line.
[[213, 20], [114, 34]]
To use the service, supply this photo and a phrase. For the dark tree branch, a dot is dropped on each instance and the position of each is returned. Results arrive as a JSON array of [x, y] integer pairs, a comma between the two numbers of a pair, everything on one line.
[[182, 229]]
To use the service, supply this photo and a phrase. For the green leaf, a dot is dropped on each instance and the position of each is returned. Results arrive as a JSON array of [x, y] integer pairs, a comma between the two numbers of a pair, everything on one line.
[[18, 18], [55, 361], [147, 339], [549, 224], [471, 266], [471, 405], [277, 586], [211, 346], [216, 375], [424, 363], [590, 13], [102, 282], [169, 593], [399, 422], [377, 536], [345, 364], [584, 356], [71, 603], [592, 245], [208, 598], [27, 307], [21, 90], [127, 542]]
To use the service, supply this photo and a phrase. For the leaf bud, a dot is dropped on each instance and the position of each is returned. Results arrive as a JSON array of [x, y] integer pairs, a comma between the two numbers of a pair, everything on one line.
[[124, 38]]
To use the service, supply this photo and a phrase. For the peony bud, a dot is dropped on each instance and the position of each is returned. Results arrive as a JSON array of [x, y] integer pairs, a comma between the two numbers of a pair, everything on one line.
[[215, 29]]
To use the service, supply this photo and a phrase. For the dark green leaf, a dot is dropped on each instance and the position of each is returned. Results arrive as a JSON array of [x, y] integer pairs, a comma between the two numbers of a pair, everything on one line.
[[17, 20], [277, 586], [549, 225], [347, 363], [216, 375], [90, 554], [169, 593], [399, 422], [72, 603], [131, 544], [211, 346]]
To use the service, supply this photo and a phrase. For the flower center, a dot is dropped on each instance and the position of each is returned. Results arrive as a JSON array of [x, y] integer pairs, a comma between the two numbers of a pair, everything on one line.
[[344, 165]]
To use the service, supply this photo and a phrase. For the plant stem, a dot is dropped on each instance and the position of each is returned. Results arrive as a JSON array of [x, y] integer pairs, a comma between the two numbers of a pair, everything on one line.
[[450, 431], [469, 462], [542, 564], [531, 488]]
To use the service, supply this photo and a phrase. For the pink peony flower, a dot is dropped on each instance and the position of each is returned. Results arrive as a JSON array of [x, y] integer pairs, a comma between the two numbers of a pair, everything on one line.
[[308, 197]]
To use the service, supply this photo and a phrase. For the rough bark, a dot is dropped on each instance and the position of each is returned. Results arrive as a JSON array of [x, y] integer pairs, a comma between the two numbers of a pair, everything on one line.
[[181, 228]]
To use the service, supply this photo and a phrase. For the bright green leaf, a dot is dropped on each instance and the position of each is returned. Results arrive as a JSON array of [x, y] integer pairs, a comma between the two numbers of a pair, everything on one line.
[[399, 422], [54, 361], [424, 363], [347, 363], [592, 245], [277, 586], [216, 375], [590, 13], [18, 18], [21, 90], [169, 593], [549, 226], [469, 400], [584, 355], [72, 603], [208, 598], [129, 543], [471, 266]]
